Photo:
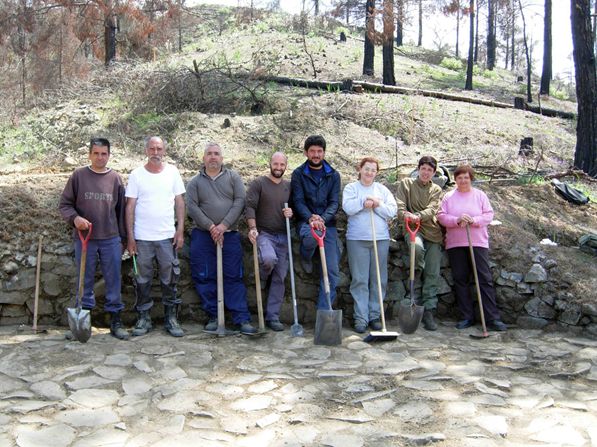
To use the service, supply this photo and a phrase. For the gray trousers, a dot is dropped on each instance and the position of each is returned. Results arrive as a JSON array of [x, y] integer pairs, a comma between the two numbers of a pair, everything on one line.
[[363, 287], [164, 254]]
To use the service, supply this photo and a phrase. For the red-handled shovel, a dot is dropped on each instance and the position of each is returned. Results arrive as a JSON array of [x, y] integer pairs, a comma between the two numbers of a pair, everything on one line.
[[410, 314], [79, 319]]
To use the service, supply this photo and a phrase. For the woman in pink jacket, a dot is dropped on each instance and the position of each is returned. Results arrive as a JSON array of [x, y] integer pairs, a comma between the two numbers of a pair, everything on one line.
[[461, 207]]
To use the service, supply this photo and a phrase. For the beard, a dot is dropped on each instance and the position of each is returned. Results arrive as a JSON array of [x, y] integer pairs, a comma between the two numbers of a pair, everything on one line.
[[276, 173], [315, 165]]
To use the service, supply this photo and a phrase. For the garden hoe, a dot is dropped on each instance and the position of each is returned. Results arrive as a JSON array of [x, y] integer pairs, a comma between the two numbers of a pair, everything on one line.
[[382, 335], [485, 334], [79, 319], [261, 330], [296, 330], [328, 322], [410, 314], [221, 330]]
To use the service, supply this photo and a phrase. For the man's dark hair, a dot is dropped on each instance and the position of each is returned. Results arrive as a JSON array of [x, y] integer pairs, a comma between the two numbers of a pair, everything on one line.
[[104, 142], [314, 140], [428, 160]]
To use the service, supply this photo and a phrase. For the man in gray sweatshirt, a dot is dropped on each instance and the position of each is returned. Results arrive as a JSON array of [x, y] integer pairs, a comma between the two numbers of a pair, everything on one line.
[[215, 201]]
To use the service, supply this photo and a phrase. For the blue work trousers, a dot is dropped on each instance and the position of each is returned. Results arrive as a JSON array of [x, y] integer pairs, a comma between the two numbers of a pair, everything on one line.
[[109, 253], [332, 257], [203, 271]]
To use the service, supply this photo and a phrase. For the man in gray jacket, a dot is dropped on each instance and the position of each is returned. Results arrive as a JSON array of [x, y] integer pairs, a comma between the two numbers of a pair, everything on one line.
[[215, 202]]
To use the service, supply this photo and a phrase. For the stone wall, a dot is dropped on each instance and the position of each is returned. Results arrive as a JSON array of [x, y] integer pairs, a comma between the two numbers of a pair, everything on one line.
[[530, 299]]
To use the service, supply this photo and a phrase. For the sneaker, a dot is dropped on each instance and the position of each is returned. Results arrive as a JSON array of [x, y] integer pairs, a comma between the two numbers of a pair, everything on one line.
[[275, 325], [497, 325], [360, 328], [375, 324], [463, 324], [211, 325], [307, 265], [428, 321], [247, 328]]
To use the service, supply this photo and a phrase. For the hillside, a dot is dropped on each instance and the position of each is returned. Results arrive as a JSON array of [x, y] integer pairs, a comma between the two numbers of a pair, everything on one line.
[[213, 91]]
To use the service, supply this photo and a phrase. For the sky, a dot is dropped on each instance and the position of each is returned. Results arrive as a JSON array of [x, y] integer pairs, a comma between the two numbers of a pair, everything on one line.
[[438, 25]]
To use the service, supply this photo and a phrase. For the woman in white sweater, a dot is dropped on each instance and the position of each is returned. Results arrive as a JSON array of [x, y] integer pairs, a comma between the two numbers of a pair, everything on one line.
[[358, 199]]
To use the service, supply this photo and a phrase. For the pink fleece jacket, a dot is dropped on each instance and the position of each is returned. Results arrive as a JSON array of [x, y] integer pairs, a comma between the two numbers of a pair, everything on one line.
[[474, 203]]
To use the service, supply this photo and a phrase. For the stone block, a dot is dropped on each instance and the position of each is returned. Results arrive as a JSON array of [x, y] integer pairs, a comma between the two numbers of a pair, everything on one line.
[[44, 306], [536, 274], [13, 310], [589, 309], [18, 298], [571, 315], [526, 322], [443, 286], [524, 288], [535, 307], [23, 280], [395, 291], [52, 284], [11, 321]]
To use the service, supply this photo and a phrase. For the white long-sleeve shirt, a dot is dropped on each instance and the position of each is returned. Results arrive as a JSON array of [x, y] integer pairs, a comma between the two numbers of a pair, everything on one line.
[[359, 221]]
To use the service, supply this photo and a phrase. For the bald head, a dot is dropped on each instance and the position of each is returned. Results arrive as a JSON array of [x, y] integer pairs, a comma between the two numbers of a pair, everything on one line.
[[277, 166]]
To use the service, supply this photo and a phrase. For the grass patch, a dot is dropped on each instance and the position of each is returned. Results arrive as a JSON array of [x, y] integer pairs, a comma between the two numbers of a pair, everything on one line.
[[146, 120]]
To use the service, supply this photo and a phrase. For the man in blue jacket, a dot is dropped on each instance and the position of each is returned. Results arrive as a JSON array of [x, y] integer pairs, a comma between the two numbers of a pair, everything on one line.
[[315, 189]]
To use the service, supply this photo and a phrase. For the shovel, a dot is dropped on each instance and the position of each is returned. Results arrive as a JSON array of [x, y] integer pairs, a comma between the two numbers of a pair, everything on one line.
[[328, 322], [296, 330], [410, 315], [221, 330], [382, 335], [261, 330], [79, 320], [485, 334]]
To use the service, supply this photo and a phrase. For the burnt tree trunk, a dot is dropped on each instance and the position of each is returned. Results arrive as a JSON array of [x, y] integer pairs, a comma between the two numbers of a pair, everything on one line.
[[109, 38], [585, 155], [512, 47], [546, 73], [420, 39], [471, 50], [476, 57], [457, 29], [388, 43], [526, 53], [369, 55], [399, 22], [491, 37]]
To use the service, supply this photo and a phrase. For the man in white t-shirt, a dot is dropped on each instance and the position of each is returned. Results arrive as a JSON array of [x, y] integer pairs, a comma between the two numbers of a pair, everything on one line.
[[154, 193]]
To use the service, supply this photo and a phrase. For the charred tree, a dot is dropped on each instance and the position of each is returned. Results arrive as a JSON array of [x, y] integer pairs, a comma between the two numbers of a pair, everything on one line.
[[491, 34], [471, 50], [388, 43], [369, 54], [420, 39], [585, 155], [527, 52], [399, 22], [546, 72]]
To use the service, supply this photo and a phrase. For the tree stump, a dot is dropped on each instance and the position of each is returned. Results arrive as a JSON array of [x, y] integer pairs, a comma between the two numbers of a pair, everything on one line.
[[526, 146], [342, 37]]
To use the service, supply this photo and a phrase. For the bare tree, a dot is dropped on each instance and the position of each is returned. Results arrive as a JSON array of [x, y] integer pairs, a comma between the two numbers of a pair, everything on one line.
[[420, 38], [526, 52], [399, 22], [369, 53], [585, 155], [388, 42], [491, 34], [546, 72], [471, 50]]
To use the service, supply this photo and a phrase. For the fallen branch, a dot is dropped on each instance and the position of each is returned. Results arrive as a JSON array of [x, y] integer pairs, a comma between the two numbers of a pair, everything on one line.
[[571, 173]]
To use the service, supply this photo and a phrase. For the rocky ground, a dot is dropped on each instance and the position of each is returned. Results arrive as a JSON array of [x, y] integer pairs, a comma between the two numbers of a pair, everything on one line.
[[512, 389]]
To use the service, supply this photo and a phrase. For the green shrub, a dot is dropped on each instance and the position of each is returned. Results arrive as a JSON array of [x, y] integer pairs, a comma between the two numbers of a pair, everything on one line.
[[489, 74], [451, 63]]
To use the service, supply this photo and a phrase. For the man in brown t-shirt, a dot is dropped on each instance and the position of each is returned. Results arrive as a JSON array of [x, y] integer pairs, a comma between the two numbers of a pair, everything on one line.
[[95, 195], [266, 217]]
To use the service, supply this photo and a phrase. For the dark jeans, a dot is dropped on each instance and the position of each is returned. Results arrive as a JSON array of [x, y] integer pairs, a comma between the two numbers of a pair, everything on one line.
[[273, 260], [109, 252], [203, 270], [332, 257], [164, 253], [462, 272]]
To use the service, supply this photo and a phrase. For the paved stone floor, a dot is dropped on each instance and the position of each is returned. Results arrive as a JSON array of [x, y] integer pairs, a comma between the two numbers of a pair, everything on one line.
[[521, 388]]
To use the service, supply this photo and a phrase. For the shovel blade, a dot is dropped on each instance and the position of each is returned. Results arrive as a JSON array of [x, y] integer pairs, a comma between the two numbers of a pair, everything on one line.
[[79, 321], [328, 328], [409, 317], [296, 330]]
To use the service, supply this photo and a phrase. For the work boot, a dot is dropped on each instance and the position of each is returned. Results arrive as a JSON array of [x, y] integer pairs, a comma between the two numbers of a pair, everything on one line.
[[212, 324], [171, 323], [116, 327], [428, 321], [143, 325]]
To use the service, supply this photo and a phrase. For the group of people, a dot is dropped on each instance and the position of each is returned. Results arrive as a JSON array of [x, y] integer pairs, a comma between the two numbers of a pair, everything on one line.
[[147, 218]]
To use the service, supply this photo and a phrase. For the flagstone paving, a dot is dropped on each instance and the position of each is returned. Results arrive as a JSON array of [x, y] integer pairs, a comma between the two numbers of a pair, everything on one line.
[[520, 388]]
